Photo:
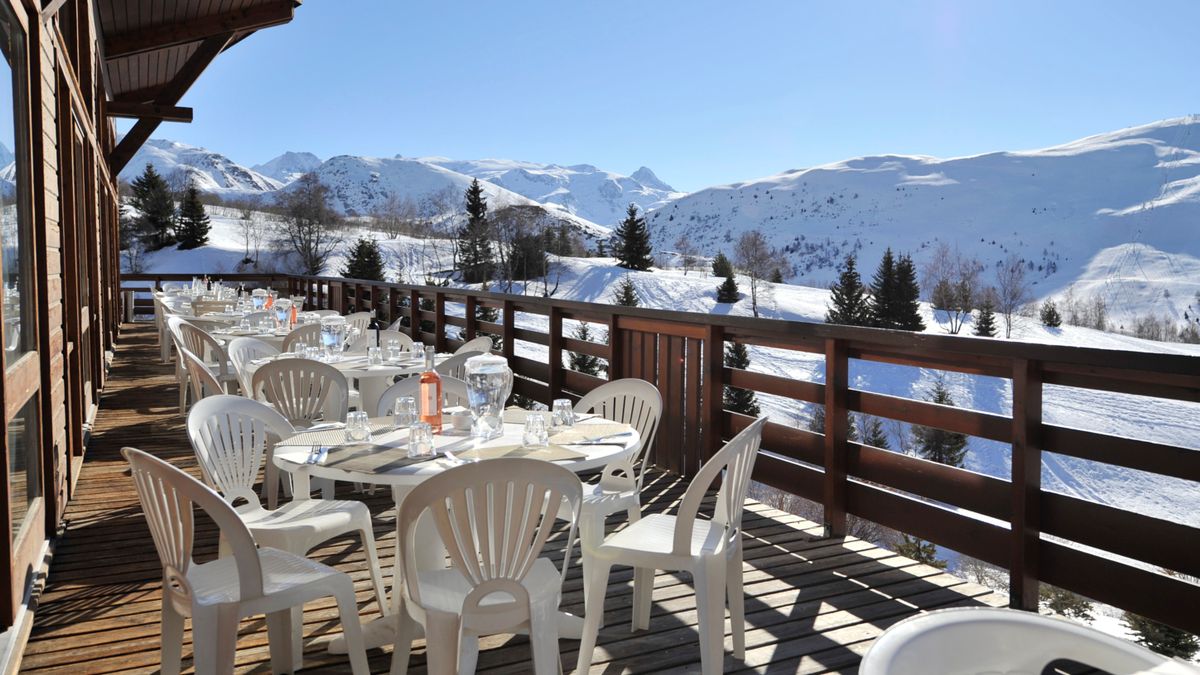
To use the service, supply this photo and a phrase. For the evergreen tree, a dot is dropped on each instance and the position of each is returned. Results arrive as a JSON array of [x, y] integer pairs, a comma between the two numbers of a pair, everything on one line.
[[580, 362], [985, 323], [1049, 314], [475, 255], [490, 315], [939, 445], [192, 229], [626, 293], [721, 267], [873, 433], [1164, 639], [1065, 603], [152, 199], [365, 261], [885, 294], [816, 423], [631, 245], [849, 298], [739, 400], [908, 293], [776, 276], [919, 550], [728, 291]]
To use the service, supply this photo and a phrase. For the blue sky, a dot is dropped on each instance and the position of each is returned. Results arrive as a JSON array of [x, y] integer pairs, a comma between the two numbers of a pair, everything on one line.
[[702, 92]]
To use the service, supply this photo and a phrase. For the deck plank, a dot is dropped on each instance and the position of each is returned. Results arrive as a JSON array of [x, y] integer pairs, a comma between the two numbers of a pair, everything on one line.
[[813, 604]]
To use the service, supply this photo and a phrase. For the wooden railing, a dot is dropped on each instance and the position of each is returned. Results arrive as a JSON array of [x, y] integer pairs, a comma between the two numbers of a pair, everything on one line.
[[1038, 535]]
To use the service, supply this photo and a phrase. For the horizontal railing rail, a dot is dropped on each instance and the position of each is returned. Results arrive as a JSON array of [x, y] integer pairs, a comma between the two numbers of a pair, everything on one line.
[[1130, 560]]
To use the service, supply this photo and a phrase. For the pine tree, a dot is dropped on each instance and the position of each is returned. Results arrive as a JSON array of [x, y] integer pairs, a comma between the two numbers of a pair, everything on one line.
[[365, 261], [475, 255], [1164, 639], [193, 226], [728, 291], [849, 298], [908, 296], [490, 315], [816, 423], [939, 445], [739, 400], [1065, 603], [1049, 315], [873, 433], [884, 293], [776, 276], [631, 245], [985, 323], [626, 293], [152, 199], [721, 267], [580, 362], [919, 550]]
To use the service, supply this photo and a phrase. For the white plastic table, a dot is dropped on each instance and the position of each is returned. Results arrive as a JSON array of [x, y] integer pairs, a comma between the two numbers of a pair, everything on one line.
[[293, 458]]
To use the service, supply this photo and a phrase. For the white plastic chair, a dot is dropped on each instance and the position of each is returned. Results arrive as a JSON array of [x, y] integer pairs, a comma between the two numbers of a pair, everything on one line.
[[216, 595], [456, 366], [201, 381], [710, 549], [232, 436], [326, 312], [308, 335], [397, 324], [206, 347], [175, 286], [244, 350], [454, 392], [359, 320], [302, 390], [481, 344], [494, 518], [368, 340], [255, 317], [995, 640]]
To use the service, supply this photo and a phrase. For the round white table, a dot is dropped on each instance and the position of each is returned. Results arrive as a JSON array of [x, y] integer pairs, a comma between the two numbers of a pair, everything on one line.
[[294, 455]]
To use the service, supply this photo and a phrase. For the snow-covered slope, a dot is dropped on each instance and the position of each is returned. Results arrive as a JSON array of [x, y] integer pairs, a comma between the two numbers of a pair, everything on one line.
[[210, 171], [1057, 208], [1137, 280], [582, 189], [289, 166]]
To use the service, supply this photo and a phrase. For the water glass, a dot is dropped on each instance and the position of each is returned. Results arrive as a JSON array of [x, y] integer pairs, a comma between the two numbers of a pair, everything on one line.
[[404, 412], [299, 350], [562, 415], [374, 356], [418, 348], [535, 434], [313, 353], [244, 325], [420, 440], [229, 309], [358, 427]]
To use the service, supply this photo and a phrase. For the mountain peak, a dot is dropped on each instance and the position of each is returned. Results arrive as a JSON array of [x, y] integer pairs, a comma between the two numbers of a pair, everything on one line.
[[289, 166], [646, 177]]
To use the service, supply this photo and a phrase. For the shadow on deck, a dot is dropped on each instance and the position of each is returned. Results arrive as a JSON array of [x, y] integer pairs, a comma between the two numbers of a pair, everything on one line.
[[813, 604]]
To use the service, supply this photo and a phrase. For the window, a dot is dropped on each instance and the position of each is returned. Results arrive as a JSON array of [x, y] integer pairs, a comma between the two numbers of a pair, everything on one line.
[[15, 239], [24, 478]]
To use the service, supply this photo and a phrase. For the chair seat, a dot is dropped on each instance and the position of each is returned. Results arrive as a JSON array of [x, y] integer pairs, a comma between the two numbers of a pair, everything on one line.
[[447, 589], [652, 538], [302, 517], [216, 582]]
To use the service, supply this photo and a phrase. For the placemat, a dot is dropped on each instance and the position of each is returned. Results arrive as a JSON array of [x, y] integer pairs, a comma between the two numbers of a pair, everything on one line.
[[590, 431], [334, 436], [515, 415], [371, 458], [549, 453]]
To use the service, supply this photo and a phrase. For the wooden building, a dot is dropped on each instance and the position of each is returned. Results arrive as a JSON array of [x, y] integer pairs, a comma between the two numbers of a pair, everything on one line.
[[71, 66]]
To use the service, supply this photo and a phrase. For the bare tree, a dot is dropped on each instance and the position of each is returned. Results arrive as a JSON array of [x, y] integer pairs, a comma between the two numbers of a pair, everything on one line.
[[755, 258], [1012, 290], [397, 216], [253, 229], [309, 228], [954, 280], [689, 255]]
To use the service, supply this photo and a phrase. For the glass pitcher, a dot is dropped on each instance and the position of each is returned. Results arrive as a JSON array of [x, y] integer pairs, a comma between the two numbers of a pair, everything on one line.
[[489, 382], [333, 336], [283, 313]]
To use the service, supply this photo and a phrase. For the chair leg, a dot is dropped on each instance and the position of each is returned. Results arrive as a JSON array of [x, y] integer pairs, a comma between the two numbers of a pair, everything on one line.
[[279, 641], [710, 604], [591, 535], [643, 593], [468, 653], [297, 613], [183, 392], [593, 612], [351, 627], [406, 631], [737, 603], [543, 640], [368, 541], [172, 640], [214, 639], [441, 643]]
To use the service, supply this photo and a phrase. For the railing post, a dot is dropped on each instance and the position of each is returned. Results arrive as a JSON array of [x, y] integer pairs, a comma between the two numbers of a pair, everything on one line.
[[713, 399], [1026, 484], [439, 321], [836, 383], [472, 308], [508, 317], [616, 350], [555, 360], [393, 305], [414, 314]]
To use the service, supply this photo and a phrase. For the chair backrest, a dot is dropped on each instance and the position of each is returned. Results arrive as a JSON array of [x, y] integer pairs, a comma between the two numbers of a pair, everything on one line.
[[167, 495], [736, 461], [635, 402], [456, 366], [359, 320], [454, 392], [201, 380], [168, 286], [204, 346], [231, 436], [202, 307], [368, 340], [244, 350], [326, 312], [302, 390], [397, 324], [308, 335], [255, 317], [481, 344], [494, 518]]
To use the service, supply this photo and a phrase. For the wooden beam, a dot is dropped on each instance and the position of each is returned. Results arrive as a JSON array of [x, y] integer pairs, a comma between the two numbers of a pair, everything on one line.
[[51, 8], [166, 113], [151, 38], [168, 96]]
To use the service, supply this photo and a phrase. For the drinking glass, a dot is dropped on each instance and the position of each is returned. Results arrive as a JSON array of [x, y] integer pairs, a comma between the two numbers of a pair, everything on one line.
[[358, 427], [393, 350], [420, 440], [229, 309], [418, 348], [404, 412], [563, 415], [535, 434], [244, 326], [299, 350], [374, 356], [313, 353]]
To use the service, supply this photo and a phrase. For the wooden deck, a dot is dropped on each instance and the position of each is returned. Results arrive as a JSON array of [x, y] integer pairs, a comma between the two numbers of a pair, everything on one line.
[[813, 605]]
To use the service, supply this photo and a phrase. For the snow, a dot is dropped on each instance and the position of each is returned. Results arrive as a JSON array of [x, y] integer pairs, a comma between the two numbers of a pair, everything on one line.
[[209, 171], [289, 166]]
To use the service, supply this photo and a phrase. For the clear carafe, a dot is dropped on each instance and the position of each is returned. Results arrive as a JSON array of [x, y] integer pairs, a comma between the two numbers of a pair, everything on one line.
[[489, 383]]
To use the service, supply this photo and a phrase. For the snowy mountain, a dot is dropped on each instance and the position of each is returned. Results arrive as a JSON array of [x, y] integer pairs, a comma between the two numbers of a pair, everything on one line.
[[210, 171], [1058, 208], [582, 189], [289, 166]]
